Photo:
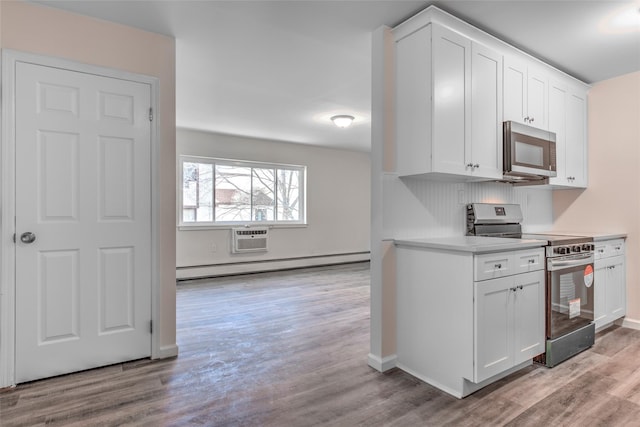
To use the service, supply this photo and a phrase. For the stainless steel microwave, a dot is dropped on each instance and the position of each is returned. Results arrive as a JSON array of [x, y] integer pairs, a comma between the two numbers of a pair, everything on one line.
[[529, 154]]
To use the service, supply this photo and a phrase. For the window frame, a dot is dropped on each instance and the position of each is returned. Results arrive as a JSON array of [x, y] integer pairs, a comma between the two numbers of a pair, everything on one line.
[[192, 225]]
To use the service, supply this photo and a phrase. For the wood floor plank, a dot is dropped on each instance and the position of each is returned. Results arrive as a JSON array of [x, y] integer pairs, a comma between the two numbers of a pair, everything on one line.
[[290, 349]]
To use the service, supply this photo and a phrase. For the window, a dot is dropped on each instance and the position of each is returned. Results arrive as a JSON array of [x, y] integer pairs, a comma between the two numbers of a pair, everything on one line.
[[230, 192]]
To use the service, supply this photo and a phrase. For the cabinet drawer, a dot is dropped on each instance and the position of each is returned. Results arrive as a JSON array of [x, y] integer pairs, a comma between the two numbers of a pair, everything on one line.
[[615, 247], [491, 266], [531, 260], [609, 248], [501, 264]]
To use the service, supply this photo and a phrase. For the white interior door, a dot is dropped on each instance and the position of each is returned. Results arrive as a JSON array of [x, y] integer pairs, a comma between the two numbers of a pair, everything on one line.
[[83, 191]]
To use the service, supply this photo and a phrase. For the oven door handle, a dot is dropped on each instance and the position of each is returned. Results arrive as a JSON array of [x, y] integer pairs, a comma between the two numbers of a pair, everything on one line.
[[577, 261]]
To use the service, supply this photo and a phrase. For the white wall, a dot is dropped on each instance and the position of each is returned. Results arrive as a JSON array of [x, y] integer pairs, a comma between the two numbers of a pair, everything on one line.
[[418, 208], [338, 203]]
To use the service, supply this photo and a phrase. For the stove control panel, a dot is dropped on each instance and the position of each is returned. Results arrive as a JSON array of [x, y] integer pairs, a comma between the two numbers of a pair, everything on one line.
[[572, 249]]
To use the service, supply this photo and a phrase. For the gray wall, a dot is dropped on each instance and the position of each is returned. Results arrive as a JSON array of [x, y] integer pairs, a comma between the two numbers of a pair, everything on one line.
[[338, 202]]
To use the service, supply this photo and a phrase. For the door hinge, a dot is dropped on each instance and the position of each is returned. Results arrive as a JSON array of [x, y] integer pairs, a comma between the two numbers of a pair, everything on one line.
[[151, 326], [150, 114]]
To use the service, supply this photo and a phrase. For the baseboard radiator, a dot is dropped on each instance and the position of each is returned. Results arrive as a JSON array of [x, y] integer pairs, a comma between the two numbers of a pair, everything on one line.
[[261, 266]]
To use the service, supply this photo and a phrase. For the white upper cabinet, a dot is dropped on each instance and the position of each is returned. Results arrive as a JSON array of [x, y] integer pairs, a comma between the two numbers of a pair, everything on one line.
[[576, 143], [486, 111], [451, 141], [525, 93], [448, 106], [567, 119], [454, 88]]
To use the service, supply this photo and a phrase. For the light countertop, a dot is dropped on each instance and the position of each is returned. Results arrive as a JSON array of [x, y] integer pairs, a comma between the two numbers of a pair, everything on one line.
[[598, 236], [473, 244]]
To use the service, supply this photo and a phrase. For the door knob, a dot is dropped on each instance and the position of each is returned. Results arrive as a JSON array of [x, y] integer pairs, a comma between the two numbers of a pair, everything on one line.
[[27, 237]]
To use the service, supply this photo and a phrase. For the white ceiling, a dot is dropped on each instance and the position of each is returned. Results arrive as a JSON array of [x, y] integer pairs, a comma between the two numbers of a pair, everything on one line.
[[279, 69]]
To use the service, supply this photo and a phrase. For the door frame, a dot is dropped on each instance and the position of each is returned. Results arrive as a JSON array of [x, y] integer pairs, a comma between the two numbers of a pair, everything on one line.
[[8, 61]]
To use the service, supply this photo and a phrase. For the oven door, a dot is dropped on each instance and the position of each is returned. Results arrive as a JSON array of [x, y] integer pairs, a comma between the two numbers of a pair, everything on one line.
[[570, 282]]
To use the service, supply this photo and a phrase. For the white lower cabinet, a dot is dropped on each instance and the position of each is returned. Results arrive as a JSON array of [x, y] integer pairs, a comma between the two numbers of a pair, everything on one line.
[[509, 322], [465, 320], [610, 292]]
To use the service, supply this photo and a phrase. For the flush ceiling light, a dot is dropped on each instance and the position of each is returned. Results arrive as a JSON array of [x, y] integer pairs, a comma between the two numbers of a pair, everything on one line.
[[623, 20], [342, 121]]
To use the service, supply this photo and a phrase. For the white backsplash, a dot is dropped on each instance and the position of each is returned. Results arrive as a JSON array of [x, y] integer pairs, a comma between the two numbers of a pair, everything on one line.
[[419, 208]]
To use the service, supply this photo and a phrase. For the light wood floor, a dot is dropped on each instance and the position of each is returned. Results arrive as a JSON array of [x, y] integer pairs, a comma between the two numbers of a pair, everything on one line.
[[290, 349]]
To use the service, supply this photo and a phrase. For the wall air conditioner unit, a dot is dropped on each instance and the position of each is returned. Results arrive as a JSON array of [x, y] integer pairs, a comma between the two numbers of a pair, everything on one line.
[[249, 240]]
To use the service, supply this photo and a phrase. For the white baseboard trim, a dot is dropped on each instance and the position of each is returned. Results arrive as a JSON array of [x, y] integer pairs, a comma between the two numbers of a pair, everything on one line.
[[229, 269], [382, 364], [166, 351], [630, 323]]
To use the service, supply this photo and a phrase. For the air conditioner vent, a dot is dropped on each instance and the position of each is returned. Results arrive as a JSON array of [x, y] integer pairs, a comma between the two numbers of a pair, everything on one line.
[[249, 239]]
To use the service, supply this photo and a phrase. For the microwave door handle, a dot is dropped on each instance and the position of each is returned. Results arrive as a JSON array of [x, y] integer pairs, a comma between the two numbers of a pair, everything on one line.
[[555, 265]]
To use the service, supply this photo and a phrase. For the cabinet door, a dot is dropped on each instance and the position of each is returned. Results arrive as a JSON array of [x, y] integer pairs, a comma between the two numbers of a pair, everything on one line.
[[616, 299], [600, 293], [515, 90], [529, 310], [558, 92], [493, 327], [451, 101], [537, 104], [576, 139], [486, 112], [413, 103]]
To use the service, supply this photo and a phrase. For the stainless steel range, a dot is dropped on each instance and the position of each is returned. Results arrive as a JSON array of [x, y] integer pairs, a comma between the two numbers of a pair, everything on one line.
[[570, 278]]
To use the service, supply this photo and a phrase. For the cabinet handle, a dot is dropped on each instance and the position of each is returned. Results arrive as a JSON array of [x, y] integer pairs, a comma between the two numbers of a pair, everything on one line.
[[498, 266], [476, 166], [531, 120], [520, 287], [513, 289], [532, 261], [526, 119], [469, 165]]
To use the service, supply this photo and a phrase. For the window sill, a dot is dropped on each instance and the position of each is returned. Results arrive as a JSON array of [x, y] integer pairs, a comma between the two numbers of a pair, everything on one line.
[[230, 226]]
